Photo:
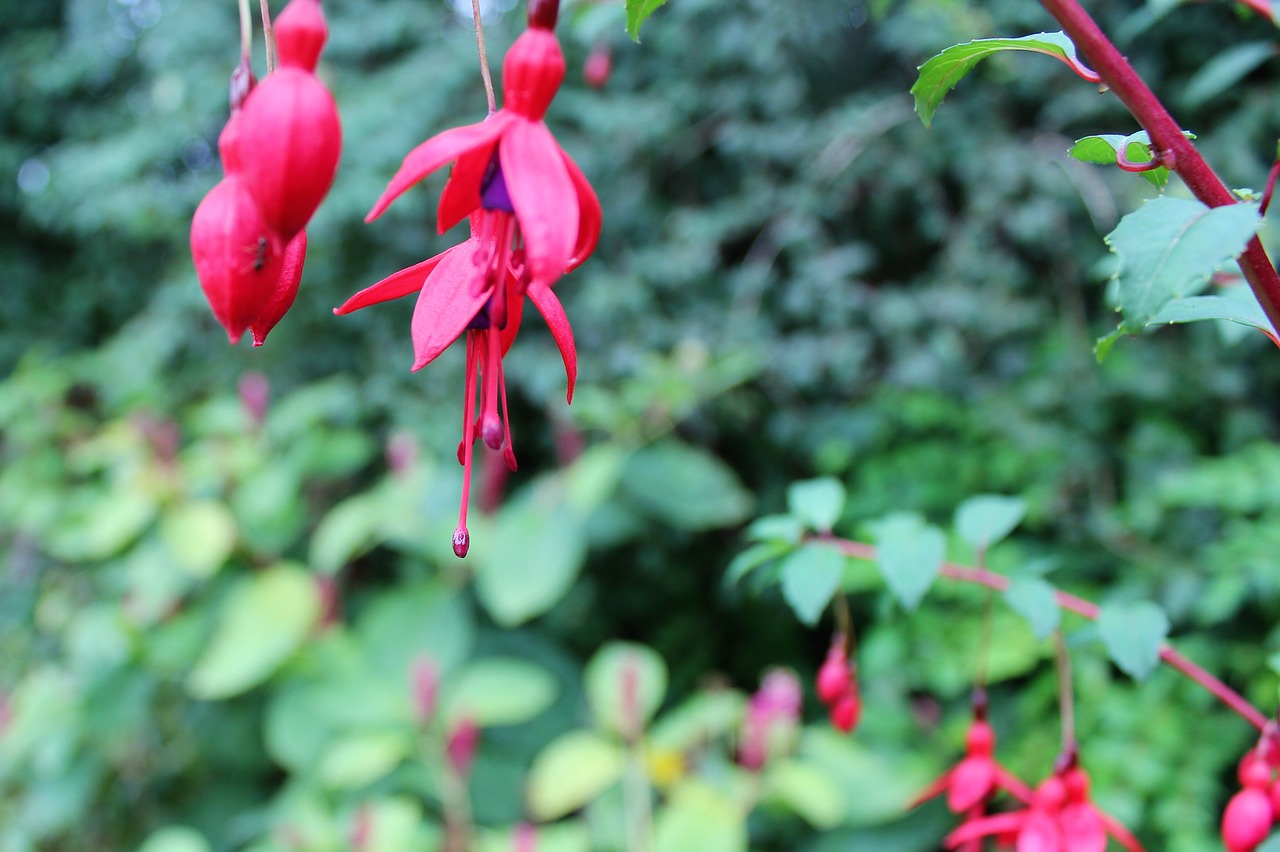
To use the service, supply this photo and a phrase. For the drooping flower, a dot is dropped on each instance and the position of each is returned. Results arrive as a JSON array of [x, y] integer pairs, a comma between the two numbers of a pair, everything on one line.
[[1248, 817], [837, 686], [978, 776], [292, 135], [510, 161]]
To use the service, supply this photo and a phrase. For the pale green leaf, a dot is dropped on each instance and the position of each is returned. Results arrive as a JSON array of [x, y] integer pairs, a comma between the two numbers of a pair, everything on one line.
[[499, 691], [1034, 599], [362, 758], [530, 559], [941, 73], [685, 487], [987, 518], [1134, 634], [199, 535], [752, 558], [262, 622], [808, 791], [571, 771], [175, 838], [621, 672], [817, 502], [909, 555], [637, 12], [700, 818], [810, 576]]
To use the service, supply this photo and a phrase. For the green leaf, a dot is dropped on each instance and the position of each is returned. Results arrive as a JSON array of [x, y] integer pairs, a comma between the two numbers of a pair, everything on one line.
[[941, 73], [199, 535], [532, 556], [1168, 248], [786, 529], [362, 758], [500, 691], [1034, 599], [570, 772], [909, 555], [685, 487], [1237, 306], [808, 791], [817, 502], [625, 671], [1225, 70], [637, 12], [346, 531], [262, 622], [752, 558], [1102, 150], [810, 576], [1133, 634], [175, 838], [987, 518], [700, 818]]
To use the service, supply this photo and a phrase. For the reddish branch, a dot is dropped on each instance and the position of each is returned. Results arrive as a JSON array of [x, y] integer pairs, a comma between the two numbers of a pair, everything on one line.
[[1168, 144], [1088, 609]]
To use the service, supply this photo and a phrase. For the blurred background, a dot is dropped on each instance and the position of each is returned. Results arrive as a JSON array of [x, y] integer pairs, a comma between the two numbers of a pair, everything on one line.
[[229, 613]]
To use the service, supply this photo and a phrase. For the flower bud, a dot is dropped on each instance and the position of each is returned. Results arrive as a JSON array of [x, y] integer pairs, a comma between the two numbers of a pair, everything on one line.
[[1247, 820], [460, 748], [598, 66], [846, 712], [531, 73], [425, 674], [236, 254], [834, 678], [301, 32]]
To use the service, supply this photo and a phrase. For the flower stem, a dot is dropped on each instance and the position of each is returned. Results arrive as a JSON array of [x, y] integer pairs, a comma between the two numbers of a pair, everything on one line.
[[1066, 694], [1080, 606], [1168, 144], [484, 58], [268, 36], [246, 31]]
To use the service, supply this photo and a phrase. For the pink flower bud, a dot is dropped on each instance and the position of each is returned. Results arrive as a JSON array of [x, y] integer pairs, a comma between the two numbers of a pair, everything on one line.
[[846, 712], [460, 747], [301, 32], [531, 73], [526, 837], [425, 674], [834, 679], [598, 66], [255, 396], [1247, 820]]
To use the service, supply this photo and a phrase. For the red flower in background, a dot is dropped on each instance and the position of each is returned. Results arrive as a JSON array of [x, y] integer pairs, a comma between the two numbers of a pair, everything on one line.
[[1248, 817]]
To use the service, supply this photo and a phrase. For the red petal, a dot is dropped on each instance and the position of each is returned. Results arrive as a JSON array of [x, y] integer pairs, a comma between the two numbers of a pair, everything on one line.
[[1039, 834], [402, 283], [447, 304], [935, 788], [1082, 830], [461, 195], [971, 782], [554, 314], [1013, 785], [515, 311], [973, 829], [437, 151], [295, 255], [1117, 830], [590, 216], [543, 196]]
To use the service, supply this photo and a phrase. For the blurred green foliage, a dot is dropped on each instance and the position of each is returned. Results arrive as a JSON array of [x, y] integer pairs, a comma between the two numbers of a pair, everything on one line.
[[212, 619]]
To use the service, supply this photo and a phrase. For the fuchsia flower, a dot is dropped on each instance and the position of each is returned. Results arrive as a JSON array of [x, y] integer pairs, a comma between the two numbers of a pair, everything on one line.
[[1059, 818], [1247, 820], [533, 217], [978, 776], [837, 686]]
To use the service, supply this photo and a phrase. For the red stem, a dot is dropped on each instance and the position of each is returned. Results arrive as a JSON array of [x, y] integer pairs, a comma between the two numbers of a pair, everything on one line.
[[1088, 609], [1168, 144]]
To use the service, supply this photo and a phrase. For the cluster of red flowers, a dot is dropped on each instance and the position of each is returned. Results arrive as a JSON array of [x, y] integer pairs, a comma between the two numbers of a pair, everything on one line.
[[279, 150], [1252, 811], [533, 217], [837, 686]]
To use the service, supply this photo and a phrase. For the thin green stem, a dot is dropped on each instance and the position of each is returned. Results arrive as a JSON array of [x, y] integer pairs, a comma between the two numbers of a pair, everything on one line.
[[1080, 606]]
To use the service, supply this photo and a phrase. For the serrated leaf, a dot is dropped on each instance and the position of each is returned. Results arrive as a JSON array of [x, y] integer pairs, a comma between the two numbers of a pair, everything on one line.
[[261, 624], [818, 503], [810, 576], [1243, 311], [1102, 150], [987, 518], [909, 555], [637, 12], [570, 772], [941, 73], [622, 672], [1034, 599], [1133, 634], [499, 691], [1168, 248]]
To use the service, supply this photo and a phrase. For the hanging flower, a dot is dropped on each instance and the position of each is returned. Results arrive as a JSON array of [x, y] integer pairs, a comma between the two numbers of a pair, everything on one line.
[[511, 162], [1248, 817], [978, 776]]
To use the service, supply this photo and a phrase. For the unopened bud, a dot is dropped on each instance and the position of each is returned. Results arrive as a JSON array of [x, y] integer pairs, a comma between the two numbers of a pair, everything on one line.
[[425, 674], [846, 712], [255, 397], [461, 746], [1247, 820], [598, 66]]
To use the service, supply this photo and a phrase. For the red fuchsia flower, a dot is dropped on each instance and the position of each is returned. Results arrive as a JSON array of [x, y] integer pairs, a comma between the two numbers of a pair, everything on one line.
[[837, 687], [1250, 813], [292, 137], [1059, 818], [772, 715], [512, 167], [972, 782]]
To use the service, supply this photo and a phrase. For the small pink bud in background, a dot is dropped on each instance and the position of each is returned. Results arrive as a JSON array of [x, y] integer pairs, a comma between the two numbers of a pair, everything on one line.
[[846, 712], [772, 712], [834, 678], [361, 828], [255, 397], [460, 747], [598, 66], [330, 600], [1254, 772], [526, 837], [1247, 820], [401, 452], [629, 699], [425, 674], [493, 481]]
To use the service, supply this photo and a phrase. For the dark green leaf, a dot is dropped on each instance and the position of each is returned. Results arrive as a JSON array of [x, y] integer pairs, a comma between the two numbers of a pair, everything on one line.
[[1225, 70], [1133, 634], [685, 486], [1238, 305], [752, 558], [534, 552], [941, 73]]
